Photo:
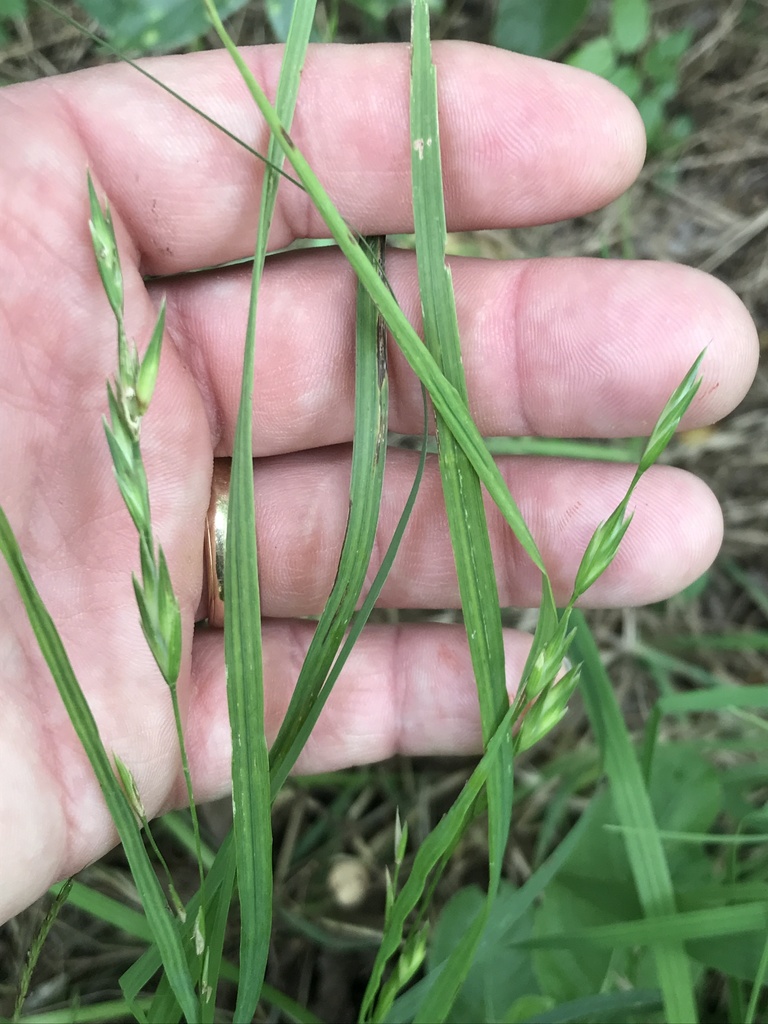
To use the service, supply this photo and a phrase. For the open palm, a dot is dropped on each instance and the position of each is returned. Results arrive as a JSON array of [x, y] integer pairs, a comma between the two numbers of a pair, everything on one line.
[[569, 347]]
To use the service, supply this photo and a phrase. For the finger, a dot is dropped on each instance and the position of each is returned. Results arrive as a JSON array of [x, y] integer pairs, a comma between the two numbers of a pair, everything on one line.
[[571, 347], [406, 689], [302, 504], [522, 141]]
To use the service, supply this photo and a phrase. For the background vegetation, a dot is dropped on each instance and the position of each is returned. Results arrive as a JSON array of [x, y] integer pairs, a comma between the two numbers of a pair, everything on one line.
[[698, 70]]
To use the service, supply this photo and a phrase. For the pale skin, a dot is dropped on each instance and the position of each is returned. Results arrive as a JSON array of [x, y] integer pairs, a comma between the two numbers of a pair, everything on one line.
[[573, 347]]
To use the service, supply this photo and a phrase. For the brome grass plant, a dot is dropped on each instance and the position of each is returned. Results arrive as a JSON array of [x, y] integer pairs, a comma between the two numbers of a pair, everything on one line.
[[185, 939]]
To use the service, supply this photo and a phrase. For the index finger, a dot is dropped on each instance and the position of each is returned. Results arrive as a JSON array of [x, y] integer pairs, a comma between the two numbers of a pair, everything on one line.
[[523, 141]]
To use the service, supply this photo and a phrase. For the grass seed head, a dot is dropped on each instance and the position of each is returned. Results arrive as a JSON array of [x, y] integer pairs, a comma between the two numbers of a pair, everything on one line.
[[601, 549], [671, 414], [547, 710]]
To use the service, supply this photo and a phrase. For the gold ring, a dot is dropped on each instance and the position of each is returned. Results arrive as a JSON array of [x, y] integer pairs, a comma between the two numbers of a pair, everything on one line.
[[215, 540]]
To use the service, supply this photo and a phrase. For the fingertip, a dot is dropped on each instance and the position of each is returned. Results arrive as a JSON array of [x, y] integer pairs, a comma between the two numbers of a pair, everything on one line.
[[620, 129], [616, 132], [567, 141], [732, 349]]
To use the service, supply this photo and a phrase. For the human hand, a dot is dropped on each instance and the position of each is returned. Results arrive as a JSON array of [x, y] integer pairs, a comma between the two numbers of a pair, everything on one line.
[[573, 347]]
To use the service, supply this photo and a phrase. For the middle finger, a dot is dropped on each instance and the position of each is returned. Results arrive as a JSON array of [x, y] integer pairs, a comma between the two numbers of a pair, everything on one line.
[[565, 348]]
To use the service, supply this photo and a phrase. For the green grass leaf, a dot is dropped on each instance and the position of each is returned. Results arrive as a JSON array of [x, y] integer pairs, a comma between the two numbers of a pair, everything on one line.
[[94, 1013], [163, 925], [369, 446], [361, 616], [663, 932], [639, 1004], [164, 1006], [643, 843], [251, 802], [461, 488]]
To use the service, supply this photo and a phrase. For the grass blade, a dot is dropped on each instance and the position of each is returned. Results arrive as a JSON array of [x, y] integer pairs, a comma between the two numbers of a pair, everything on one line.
[[97, 1013], [369, 449], [162, 923], [563, 448], [645, 849], [216, 918], [461, 487], [242, 622], [108, 909], [663, 931], [138, 975], [363, 614], [638, 1004]]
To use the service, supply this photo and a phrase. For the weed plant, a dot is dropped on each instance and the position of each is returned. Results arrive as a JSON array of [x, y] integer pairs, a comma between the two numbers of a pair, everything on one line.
[[419, 973]]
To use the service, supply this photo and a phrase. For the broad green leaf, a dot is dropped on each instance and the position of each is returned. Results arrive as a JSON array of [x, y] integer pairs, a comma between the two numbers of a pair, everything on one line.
[[733, 956], [652, 110], [660, 61], [157, 25], [595, 885], [630, 25], [539, 28], [502, 972], [511, 906], [661, 932], [628, 80], [13, 8], [597, 56]]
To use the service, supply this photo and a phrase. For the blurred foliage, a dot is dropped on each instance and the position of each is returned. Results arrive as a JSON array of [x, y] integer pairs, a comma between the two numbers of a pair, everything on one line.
[[538, 29], [156, 25], [9, 10], [512, 979], [646, 69], [629, 54]]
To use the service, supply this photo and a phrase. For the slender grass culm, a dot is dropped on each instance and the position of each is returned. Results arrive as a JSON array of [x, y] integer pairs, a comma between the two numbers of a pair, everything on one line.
[[251, 803], [186, 940]]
